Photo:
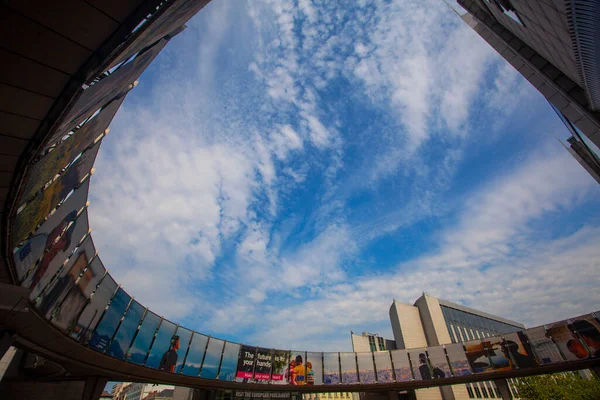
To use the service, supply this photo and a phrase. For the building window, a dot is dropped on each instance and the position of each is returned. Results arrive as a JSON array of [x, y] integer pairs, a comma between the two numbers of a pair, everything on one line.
[[470, 391], [477, 391]]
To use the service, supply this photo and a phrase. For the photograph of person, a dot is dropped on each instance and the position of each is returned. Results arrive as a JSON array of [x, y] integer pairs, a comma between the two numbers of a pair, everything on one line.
[[427, 371], [589, 334], [169, 359]]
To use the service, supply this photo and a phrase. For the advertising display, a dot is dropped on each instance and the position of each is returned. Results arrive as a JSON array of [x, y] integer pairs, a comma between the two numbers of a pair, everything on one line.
[[542, 346], [458, 360], [174, 17], [193, 361], [263, 365], [36, 211], [229, 360], [331, 368], [67, 150], [212, 359], [161, 354], [185, 335], [516, 348], [109, 321], [587, 328], [348, 367], [566, 340], [54, 258], [55, 292], [420, 364], [245, 364], [281, 360], [91, 314], [141, 344], [103, 91], [314, 368], [477, 356], [401, 365], [27, 255], [126, 331], [494, 347], [296, 371], [438, 363], [366, 369], [383, 364]]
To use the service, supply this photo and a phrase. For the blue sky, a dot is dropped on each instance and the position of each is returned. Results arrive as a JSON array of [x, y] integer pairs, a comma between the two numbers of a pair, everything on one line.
[[284, 170]]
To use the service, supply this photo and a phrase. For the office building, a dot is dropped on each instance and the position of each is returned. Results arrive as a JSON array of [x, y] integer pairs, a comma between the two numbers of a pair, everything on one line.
[[555, 45], [371, 342]]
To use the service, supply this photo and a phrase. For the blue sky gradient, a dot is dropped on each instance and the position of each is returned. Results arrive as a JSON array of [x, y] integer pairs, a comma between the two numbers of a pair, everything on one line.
[[285, 169]]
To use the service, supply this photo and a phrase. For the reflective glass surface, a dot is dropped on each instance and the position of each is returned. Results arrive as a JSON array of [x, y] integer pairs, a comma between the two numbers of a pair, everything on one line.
[[137, 353], [212, 359], [569, 345], [543, 347], [229, 361], [458, 359], [126, 331], [162, 346], [314, 368], [91, 314], [518, 350], [281, 361], [185, 335], [111, 318], [383, 364], [438, 363], [348, 366], [193, 362], [366, 369], [401, 365], [477, 356], [263, 365], [331, 368], [588, 330], [296, 373]]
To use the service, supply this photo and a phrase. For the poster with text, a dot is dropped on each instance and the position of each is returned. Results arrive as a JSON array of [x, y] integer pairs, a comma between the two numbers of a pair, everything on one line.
[[281, 359], [246, 363], [263, 365]]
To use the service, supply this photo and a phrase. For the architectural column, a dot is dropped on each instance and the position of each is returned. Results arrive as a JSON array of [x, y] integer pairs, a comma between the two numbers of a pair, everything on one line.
[[502, 385], [93, 388]]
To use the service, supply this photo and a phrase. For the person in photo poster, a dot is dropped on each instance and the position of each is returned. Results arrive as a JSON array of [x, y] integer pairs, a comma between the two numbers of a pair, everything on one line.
[[310, 374], [510, 349], [290, 373], [589, 334], [169, 359], [300, 371]]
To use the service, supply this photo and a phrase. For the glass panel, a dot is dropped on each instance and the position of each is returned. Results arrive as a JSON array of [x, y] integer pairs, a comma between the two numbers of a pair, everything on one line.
[[92, 313], [296, 374], [366, 369], [262, 367], [401, 365], [246, 364], [568, 344], [517, 349], [185, 335], [229, 361], [210, 368], [499, 361], [281, 360], [383, 364], [59, 286], [331, 368], [160, 356], [438, 363], [26, 255], [126, 331], [477, 356], [348, 364], [458, 359], [588, 329], [193, 362], [138, 351], [420, 364], [314, 368], [110, 320], [543, 347]]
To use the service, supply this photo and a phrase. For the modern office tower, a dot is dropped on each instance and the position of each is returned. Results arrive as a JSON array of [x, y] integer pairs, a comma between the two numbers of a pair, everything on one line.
[[371, 342], [555, 45], [432, 322]]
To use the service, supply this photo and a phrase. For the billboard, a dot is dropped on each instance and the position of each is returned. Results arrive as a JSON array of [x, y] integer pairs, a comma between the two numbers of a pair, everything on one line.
[[438, 363], [366, 368], [331, 368], [164, 341], [193, 361], [314, 368], [185, 336], [246, 363], [281, 359], [296, 372], [227, 370], [348, 368], [383, 364], [587, 328], [141, 344], [36, 211], [542, 346], [66, 151], [110, 320], [87, 321], [516, 348], [263, 365], [28, 254], [212, 359], [459, 364], [126, 331], [478, 356], [566, 340], [401, 366], [420, 364]]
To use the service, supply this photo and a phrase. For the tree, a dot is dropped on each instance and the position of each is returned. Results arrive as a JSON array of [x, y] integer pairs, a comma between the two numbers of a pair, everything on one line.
[[563, 386]]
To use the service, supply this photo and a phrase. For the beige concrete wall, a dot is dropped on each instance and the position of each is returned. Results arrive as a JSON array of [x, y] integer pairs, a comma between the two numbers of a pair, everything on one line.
[[407, 326], [360, 343]]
